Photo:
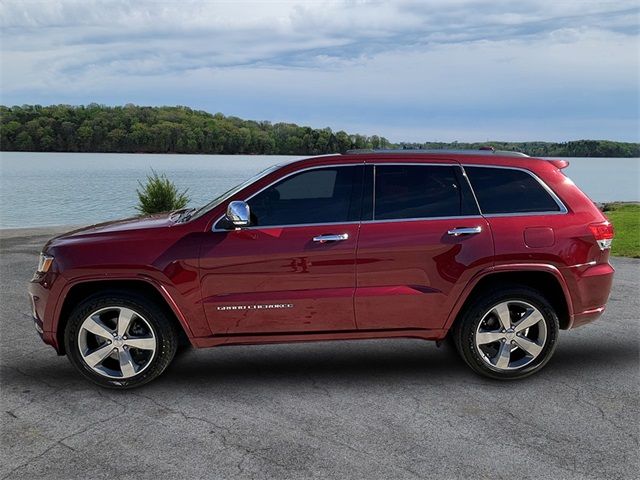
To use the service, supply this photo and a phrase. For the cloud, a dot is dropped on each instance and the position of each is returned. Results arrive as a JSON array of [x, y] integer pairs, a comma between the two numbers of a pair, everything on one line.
[[387, 66]]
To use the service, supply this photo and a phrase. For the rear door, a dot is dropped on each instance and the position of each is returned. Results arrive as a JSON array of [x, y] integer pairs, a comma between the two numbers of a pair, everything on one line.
[[293, 269], [422, 242]]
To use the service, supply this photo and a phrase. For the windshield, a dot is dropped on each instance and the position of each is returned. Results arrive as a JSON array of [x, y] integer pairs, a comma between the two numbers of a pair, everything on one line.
[[229, 193]]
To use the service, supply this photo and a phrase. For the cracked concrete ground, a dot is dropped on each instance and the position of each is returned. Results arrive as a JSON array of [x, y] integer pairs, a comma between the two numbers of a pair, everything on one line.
[[373, 409]]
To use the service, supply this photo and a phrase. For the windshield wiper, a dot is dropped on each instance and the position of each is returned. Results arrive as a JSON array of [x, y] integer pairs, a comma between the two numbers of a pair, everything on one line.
[[185, 214]]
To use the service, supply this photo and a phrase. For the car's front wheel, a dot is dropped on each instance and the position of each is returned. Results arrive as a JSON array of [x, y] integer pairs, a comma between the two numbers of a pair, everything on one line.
[[120, 340], [508, 334]]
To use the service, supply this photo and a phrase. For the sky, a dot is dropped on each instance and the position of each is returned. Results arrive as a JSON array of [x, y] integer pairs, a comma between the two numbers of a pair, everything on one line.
[[441, 70]]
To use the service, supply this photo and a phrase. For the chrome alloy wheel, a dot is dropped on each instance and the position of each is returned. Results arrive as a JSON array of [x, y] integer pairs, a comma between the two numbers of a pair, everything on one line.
[[116, 342], [511, 335]]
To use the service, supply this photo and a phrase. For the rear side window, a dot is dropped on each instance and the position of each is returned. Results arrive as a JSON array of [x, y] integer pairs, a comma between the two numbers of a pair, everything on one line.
[[503, 190], [419, 191]]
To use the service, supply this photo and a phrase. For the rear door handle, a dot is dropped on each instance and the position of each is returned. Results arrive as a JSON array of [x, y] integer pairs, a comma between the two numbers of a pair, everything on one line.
[[331, 238], [456, 232]]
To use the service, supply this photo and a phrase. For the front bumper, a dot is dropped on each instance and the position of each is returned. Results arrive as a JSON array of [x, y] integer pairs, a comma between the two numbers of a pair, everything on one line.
[[42, 296], [37, 323]]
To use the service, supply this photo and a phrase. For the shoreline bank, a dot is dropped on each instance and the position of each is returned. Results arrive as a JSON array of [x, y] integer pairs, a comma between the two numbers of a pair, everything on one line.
[[7, 233]]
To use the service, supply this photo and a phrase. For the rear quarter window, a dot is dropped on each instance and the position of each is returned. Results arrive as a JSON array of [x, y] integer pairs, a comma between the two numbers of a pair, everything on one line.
[[504, 190]]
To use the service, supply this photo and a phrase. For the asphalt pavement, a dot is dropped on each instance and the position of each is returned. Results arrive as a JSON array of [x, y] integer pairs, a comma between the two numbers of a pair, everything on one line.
[[388, 409]]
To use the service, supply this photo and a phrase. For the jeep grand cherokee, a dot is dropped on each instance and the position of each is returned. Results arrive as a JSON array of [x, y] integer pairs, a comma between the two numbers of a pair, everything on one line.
[[494, 251]]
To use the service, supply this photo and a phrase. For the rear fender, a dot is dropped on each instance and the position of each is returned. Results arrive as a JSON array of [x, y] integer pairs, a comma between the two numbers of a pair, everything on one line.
[[516, 268]]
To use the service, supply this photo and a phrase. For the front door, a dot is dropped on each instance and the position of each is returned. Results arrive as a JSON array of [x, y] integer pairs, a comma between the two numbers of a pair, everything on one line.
[[293, 269], [425, 239]]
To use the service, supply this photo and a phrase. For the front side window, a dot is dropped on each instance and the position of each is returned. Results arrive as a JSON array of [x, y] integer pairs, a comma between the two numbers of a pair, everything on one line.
[[322, 195], [504, 190], [229, 193], [420, 191]]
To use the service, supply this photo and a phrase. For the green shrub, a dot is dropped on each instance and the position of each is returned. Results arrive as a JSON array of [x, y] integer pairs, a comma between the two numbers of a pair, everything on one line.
[[626, 224], [159, 195]]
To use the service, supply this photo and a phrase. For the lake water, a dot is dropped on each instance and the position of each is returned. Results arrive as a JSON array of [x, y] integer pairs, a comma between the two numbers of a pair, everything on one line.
[[44, 189]]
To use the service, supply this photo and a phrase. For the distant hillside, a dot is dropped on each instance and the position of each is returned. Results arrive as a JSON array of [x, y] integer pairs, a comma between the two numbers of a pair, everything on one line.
[[134, 129]]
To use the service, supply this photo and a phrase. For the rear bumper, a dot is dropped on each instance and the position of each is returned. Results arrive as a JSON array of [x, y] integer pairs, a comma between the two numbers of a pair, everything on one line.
[[590, 287], [587, 317]]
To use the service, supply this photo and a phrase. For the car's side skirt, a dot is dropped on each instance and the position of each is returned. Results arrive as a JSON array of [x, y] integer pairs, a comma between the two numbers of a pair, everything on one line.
[[253, 339]]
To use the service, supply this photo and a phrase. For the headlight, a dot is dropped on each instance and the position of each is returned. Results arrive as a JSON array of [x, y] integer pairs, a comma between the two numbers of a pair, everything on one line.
[[44, 263]]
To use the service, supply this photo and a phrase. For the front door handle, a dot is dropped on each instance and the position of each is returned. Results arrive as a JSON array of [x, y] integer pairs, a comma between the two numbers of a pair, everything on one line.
[[331, 238], [456, 232]]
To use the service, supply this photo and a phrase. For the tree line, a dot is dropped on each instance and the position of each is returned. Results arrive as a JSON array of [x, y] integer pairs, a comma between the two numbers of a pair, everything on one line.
[[137, 129]]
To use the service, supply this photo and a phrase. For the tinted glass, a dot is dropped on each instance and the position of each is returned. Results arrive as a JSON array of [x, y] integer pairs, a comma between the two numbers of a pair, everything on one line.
[[324, 195], [416, 191], [501, 190]]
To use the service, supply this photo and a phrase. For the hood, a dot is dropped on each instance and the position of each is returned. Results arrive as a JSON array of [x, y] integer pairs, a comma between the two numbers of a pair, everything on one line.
[[126, 225]]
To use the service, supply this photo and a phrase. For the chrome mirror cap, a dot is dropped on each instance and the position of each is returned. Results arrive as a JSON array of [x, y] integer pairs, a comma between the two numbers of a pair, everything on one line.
[[238, 213]]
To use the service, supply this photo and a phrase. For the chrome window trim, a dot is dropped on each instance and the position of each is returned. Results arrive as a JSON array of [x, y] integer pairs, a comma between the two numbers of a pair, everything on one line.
[[417, 219], [522, 214], [353, 222], [563, 209], [293, 225]]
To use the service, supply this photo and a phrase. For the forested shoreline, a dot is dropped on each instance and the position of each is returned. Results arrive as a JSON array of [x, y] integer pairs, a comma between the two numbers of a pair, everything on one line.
[[138, 129]]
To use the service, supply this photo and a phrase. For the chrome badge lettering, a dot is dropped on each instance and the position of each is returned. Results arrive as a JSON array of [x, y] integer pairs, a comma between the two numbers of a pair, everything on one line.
[[265, 306]]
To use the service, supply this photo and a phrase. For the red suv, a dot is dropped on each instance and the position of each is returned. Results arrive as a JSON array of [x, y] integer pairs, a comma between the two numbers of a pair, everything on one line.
[[495, 251]]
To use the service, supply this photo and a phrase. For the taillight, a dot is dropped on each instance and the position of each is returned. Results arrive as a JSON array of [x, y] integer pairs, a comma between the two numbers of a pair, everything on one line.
[[603, 233]]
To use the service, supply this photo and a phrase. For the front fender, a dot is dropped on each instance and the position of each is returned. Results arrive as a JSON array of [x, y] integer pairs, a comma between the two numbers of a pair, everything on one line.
[[183, 308]]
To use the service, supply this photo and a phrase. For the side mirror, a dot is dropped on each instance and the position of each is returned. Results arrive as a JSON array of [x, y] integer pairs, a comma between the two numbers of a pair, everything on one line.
[[238, 214]]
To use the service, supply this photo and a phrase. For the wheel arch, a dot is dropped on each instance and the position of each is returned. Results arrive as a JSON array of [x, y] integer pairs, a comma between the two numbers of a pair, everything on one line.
[[546, 279], [81, 290]]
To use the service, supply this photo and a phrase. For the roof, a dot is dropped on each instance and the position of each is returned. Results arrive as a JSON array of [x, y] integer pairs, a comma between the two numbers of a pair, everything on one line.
[[483, 152], [475, 157]]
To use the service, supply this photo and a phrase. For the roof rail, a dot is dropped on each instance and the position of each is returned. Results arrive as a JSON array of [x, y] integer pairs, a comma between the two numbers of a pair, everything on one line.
[[481, 151]]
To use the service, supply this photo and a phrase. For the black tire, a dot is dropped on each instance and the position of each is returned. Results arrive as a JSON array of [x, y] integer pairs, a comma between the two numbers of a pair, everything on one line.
[[464, 333], [163, 329]]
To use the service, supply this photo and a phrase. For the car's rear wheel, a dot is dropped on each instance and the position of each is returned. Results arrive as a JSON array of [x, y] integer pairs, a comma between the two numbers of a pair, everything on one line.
[[120, 340], [508, 334]]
